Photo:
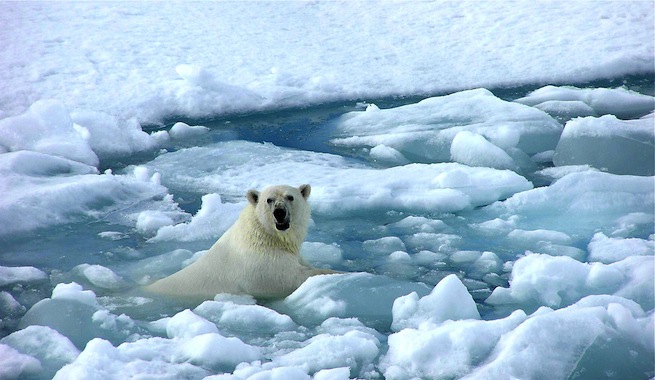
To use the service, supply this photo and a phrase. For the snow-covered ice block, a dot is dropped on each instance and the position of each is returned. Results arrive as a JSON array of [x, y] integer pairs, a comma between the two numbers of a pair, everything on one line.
[[578, 204], [620, 102], [12, 275], [150, 221], [444, 351], [321, 253], [14, 365], [339, 186], [76, 314], [364, 296], [101, 360], [46, 127], [609, 144], [41, 190], [100, 276], [248, 318], [575, 341], [211, 221], [424, 131], [449, 300], [354, 349], [109, 137], [186, 324], [48, 346], [212, 350], [471, 149], [539, 279], [182, 130], [609, 250]]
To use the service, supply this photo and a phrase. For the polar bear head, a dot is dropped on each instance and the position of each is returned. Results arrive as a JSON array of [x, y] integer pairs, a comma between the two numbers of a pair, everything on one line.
[[282, 209]]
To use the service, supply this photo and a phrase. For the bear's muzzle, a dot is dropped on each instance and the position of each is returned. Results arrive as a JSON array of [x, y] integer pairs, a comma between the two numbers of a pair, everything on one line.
[[281, 217]]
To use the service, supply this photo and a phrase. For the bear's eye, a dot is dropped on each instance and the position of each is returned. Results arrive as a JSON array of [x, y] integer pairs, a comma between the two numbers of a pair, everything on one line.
[[269, 200], [290, 198]]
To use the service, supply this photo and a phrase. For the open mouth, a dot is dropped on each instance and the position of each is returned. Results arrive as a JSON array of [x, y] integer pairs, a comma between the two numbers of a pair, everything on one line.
[[282, 226], [281, 218]]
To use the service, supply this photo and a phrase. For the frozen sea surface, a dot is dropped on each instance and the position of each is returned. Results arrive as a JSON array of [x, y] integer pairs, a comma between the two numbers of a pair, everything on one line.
[[490, 226], [453, 269]]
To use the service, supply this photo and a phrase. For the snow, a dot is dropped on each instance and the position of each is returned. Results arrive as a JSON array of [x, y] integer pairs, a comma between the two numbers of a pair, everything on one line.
[[481, 174], [357, 51]]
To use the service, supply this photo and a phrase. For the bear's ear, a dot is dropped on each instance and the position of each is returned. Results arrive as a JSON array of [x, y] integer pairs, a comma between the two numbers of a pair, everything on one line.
[[253, 196], [305, 190]]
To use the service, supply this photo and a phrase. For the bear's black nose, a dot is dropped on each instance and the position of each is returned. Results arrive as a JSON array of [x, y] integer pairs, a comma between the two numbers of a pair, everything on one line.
[[280, 215]]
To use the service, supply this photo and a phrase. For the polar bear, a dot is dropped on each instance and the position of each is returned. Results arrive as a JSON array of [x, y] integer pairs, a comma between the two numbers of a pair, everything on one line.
[[258, 255]]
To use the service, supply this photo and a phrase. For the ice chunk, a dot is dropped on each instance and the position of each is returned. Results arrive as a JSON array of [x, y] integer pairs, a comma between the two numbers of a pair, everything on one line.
[[150, 221], [609, 144], [211, 221], [365, 296], [182, 130], [609, 250], [75, 292], [212, 350], [565, 110], [12, 275], [623, 103], [70, 318], [110, 137], [424, 131], [248, 318], [573, 341], [14, 365], [471, 149], [444, 351], [46, 128], [354, 349], [101, 360], [339, 186], [100, 276], [387, 155], [539, 279], [46, 190], [48, 346], [186, 324], [449, 300], [341, 373], [579, 203], [316, 253]]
